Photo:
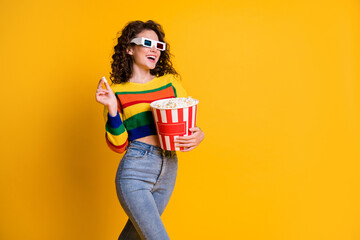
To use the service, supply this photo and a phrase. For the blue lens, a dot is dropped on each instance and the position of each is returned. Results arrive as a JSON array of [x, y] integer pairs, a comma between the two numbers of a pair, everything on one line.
[[147, 43]]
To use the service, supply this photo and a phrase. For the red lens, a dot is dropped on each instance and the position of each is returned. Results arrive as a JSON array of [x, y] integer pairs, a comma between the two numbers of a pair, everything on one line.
[[160, 45]]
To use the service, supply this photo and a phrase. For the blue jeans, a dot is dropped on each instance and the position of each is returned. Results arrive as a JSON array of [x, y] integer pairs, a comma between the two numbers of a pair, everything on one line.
[[145, 180]]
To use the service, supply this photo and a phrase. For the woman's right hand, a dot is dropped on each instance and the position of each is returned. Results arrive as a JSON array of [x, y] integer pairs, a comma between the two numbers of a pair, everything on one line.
[[106, 97]]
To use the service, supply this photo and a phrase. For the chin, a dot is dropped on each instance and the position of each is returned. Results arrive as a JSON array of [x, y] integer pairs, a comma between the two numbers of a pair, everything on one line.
[[152, 67]]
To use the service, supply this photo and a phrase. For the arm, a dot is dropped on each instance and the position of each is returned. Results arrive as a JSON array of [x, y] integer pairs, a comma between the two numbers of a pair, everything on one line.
[[197, 136], [116, 135]]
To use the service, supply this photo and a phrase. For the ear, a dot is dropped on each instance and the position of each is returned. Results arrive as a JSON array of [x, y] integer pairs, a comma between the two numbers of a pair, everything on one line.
[[129, 51]]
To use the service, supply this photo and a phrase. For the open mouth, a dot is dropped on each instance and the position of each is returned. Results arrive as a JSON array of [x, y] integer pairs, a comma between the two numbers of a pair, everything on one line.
[[151, 58]]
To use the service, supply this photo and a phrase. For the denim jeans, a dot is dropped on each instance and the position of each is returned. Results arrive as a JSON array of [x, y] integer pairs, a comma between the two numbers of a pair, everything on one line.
[[145, 180]]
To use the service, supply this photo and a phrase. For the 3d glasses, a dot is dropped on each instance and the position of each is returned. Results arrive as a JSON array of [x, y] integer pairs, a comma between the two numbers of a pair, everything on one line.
[[146, 42]]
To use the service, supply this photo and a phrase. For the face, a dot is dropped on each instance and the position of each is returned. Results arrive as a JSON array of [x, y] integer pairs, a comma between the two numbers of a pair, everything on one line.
[[143, 56]]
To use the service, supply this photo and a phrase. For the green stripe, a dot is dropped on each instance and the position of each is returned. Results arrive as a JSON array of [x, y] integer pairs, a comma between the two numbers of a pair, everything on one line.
[[115, 131], [147, 91], [174, 90], [138, 120]]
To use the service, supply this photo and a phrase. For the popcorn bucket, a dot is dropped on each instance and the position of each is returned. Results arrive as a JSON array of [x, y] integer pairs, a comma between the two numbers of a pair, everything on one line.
[[174, 122]]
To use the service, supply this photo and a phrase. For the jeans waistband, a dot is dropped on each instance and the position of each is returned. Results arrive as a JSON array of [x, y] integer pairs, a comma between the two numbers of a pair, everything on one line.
[[151, 148]]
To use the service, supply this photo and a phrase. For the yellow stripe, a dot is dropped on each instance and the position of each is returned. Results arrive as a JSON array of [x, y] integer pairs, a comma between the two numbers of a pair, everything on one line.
[[117, 140], [129, 86], [135, 109]]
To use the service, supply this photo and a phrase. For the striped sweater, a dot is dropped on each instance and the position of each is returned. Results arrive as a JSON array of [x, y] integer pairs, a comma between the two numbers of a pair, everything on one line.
[[134, 118]]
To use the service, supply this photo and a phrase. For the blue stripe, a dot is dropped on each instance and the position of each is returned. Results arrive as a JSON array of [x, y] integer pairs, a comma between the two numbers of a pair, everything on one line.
[[142, 131], [114, 122]]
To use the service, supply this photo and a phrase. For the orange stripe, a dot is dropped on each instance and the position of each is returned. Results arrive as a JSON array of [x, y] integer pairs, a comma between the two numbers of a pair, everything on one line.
[[127, 99]]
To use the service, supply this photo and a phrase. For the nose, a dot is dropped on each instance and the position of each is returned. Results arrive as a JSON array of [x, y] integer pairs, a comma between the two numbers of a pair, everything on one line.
[[153, 48]]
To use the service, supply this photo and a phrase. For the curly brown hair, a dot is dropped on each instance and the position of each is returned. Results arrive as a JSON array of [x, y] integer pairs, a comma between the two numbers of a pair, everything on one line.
[[122, 64]]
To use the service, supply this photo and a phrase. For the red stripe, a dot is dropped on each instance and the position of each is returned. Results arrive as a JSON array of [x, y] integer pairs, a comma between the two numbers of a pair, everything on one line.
[[180, 115], [135, 102], [168, 116], [118, 149], [144, 101], [162, 136], [131, 97], [162, 139], [181, 119], [195, 115], [158, 115], [169, 120], [190, 119]]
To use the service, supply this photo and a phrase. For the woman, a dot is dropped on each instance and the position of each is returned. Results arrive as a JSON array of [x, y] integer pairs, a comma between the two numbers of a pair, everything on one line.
[[141, 73]]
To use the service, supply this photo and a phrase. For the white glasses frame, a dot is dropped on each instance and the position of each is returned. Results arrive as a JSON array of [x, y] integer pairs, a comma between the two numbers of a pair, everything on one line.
[[147, 42]]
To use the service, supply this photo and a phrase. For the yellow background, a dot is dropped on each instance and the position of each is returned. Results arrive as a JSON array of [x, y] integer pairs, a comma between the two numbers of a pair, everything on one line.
[[279, 90]]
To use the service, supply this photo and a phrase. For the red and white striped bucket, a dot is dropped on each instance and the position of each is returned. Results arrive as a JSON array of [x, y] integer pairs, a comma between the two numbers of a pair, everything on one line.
[[172, 123]]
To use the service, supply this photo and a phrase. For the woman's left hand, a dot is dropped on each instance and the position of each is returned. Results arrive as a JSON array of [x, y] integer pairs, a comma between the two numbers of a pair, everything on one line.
[[192, 141]]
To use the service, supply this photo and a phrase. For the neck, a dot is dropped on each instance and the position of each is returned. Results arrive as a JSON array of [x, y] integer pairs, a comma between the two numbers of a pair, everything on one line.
[[140, 75]]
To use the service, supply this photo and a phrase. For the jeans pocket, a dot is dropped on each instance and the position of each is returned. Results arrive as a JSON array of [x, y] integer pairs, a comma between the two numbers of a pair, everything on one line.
[[135, 153]]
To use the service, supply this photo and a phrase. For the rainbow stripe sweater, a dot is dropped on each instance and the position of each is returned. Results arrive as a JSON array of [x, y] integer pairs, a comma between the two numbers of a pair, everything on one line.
[[134, 118]]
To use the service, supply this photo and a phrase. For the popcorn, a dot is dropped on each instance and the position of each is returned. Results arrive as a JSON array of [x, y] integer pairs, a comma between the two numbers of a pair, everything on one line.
[[175, 103]]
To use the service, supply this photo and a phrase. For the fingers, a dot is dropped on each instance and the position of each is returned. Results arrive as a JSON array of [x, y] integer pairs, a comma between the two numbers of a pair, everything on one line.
[[185, 143], [101, 95], [107, 86], [103, 78], [188, 149], [186, 138], [195, 129], [188, 145], [104, 81], [189, 142], [102, 91], [100, 83]]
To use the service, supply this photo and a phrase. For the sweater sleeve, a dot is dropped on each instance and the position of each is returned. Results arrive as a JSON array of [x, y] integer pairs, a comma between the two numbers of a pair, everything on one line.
[[116, 135], [179, 89]]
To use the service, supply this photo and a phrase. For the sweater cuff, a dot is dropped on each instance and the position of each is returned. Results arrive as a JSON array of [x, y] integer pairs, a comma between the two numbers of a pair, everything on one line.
[[114, 122]]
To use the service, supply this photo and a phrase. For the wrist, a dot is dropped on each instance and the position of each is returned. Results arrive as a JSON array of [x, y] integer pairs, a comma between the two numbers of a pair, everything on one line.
[[112, 110]]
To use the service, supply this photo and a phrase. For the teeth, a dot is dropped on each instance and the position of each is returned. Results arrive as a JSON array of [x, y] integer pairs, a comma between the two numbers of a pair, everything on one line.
[[152, 57]]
